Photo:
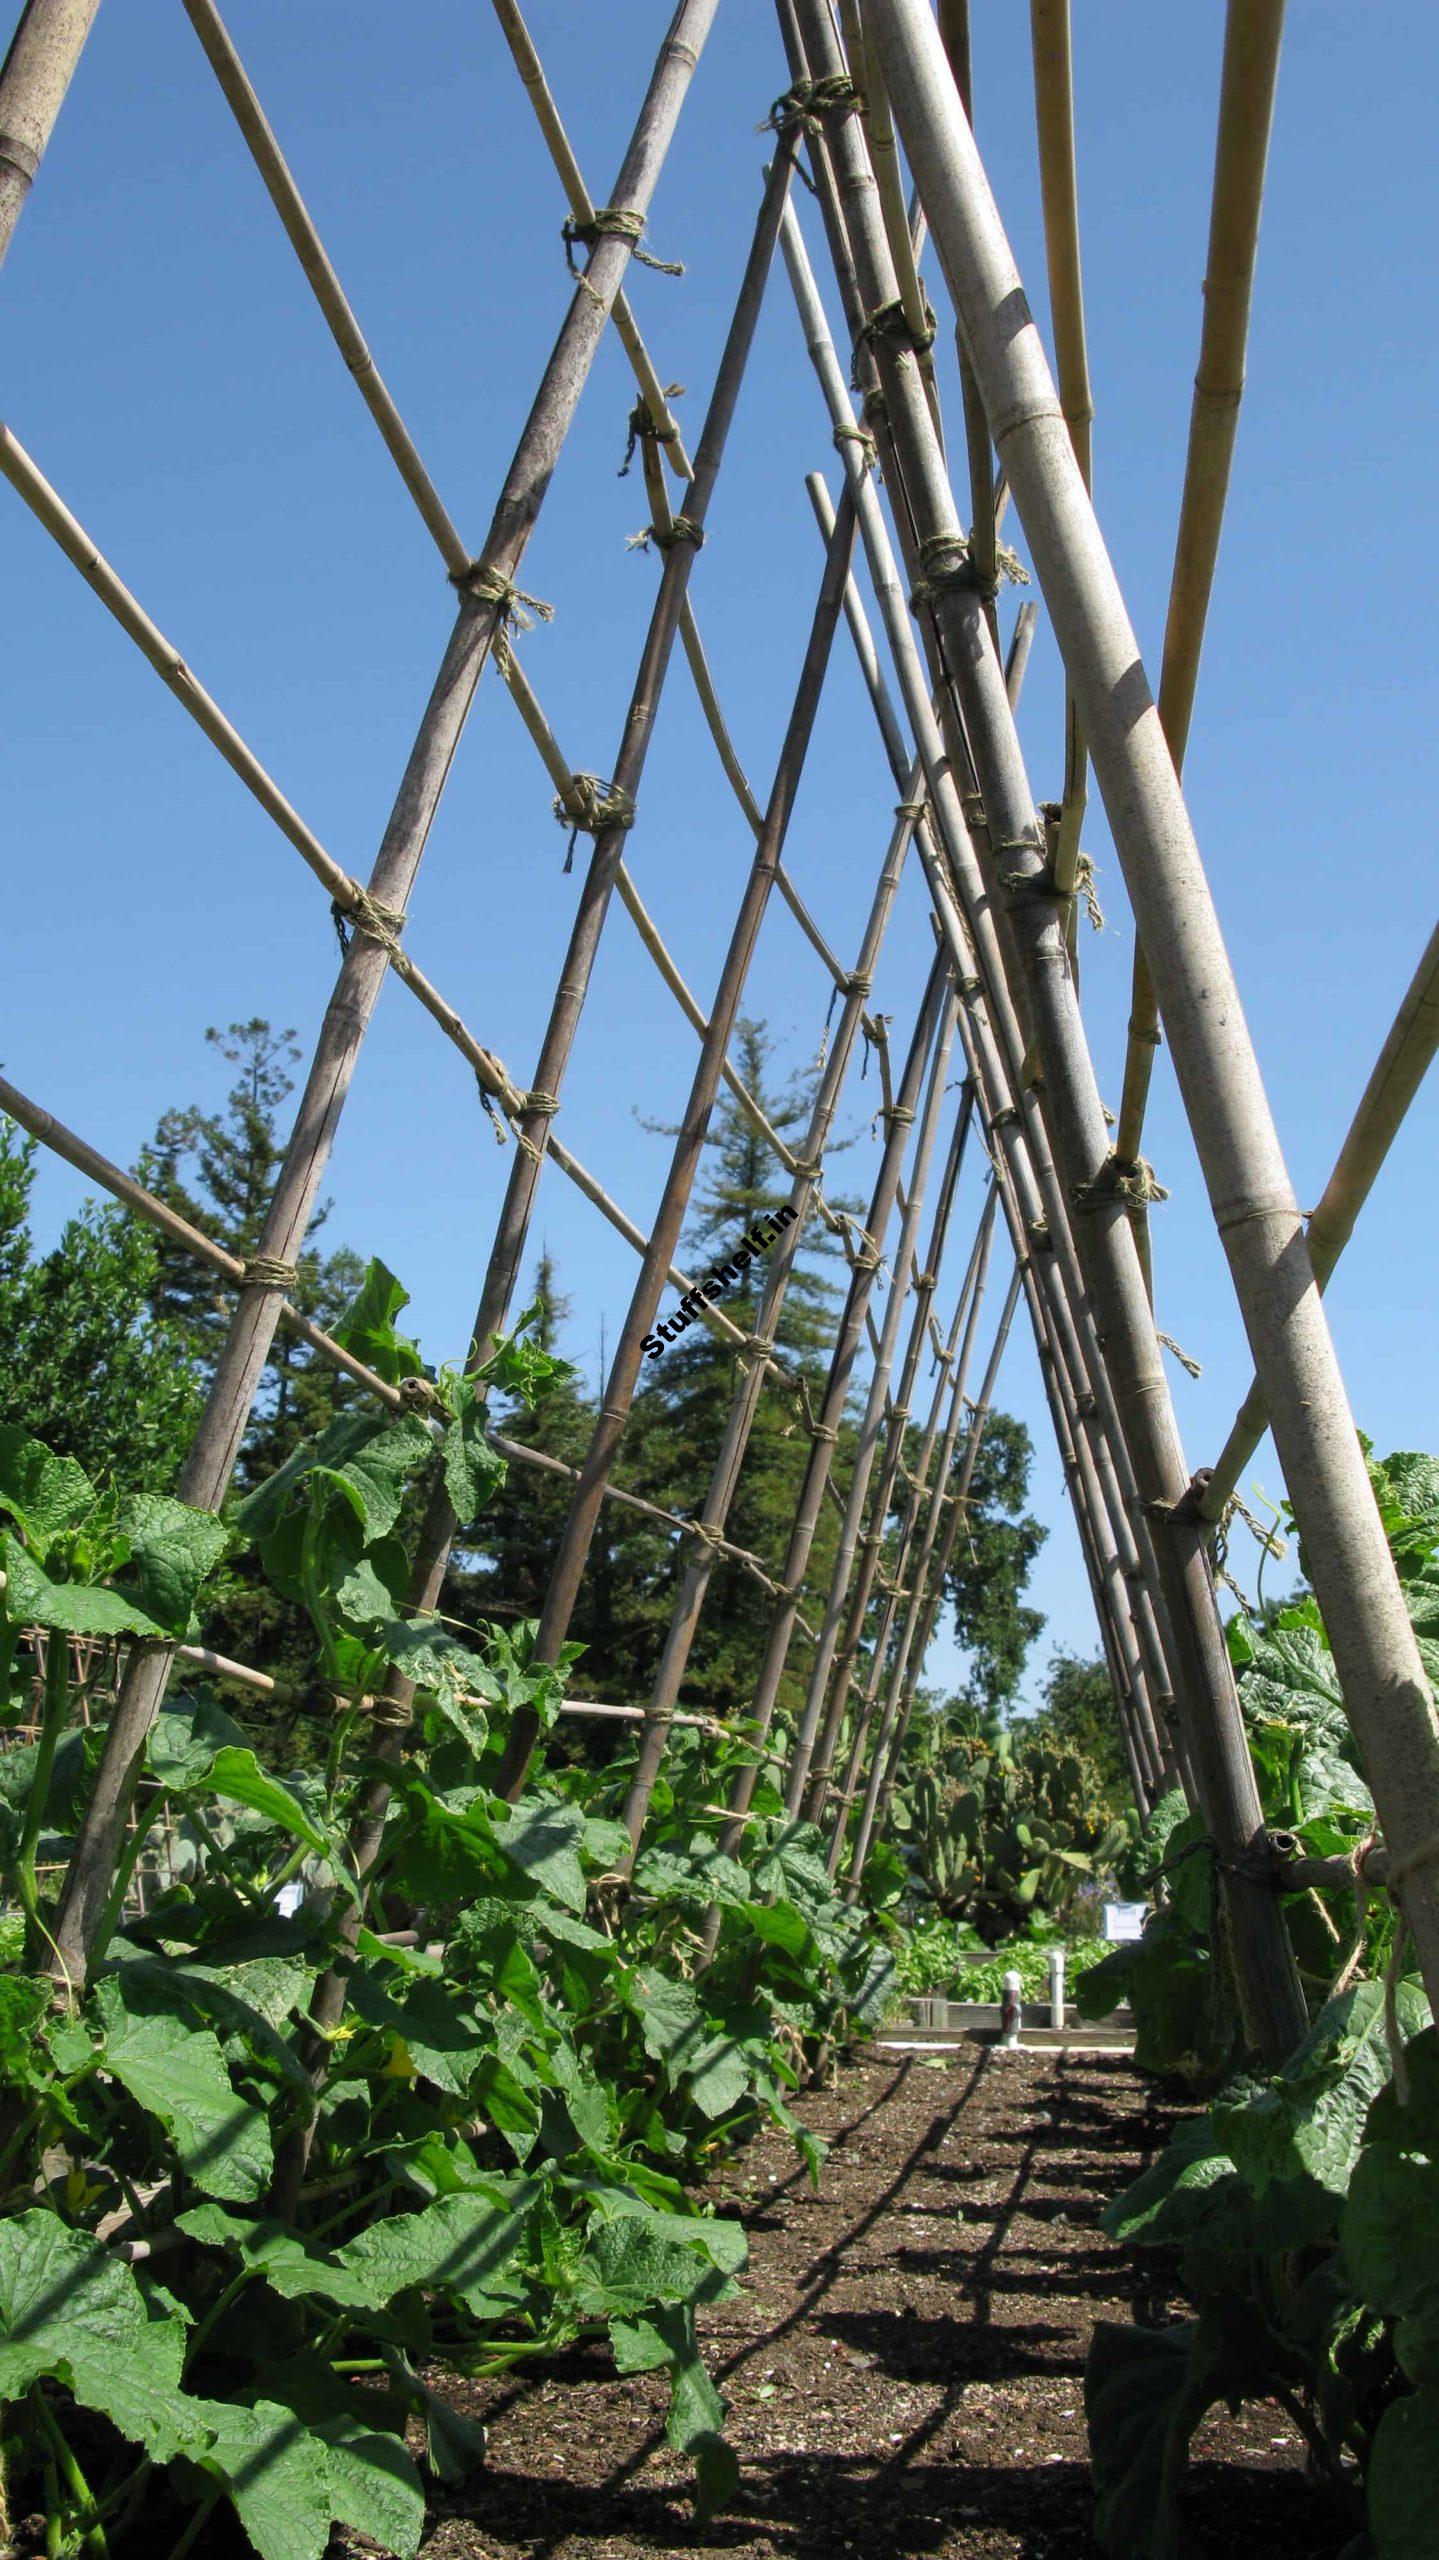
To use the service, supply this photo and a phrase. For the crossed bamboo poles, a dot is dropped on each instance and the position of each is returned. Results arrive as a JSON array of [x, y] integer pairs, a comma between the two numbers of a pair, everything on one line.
[[1003, 897]]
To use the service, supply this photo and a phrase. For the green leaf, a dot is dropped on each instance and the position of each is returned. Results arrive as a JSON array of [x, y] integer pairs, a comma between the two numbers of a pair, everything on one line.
[[670, 2018], [45, 1494], [177, 2073], [1308, 2121], [461, 2244], [364, 1460], [474, 1471], [173, 1549], [542, 1840], [373, 2486], [185, 1736], [72, 2312], [1403, 2468], [367, 1327], [1389, 2230], [277, 2474], [280, 2255], [71, 1608], [1145, 2391]]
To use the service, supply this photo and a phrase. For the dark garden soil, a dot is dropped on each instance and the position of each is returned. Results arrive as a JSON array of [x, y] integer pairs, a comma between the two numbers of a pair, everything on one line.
[[905, 2366]]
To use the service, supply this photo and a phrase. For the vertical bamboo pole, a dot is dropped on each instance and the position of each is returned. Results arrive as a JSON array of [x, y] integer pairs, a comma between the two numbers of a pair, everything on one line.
[[744, 1404], [1059, 190], [934, 1020], [1014, 1105], [1375, 1652], [1018, 871], [924, 1610], [946, 1406], [851, 1599], [578, 1532], [487, 596], [1248, 81], [900, 1688], [37, 71], [871, 1425]]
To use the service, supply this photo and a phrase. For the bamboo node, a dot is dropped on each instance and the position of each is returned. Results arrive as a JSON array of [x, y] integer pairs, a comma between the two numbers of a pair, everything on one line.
[[511, 603], [802, 105], [592, 807], [612, 222], [1039, 1235], [421, 1395], [683, 529], [1132, 1185], [268, 1271]]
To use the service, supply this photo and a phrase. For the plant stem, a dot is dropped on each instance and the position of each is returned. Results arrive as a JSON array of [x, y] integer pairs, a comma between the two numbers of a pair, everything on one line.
[[217, 2310], [56, 1703], [129, 1860], [73, 2476], [192, 2529]]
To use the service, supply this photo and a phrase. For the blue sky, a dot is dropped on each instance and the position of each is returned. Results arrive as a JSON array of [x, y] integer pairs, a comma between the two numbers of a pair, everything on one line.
[[166, 368]]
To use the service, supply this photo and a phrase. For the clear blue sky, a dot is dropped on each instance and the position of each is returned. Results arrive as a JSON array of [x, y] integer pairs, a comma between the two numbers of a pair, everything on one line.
[[167, 369]]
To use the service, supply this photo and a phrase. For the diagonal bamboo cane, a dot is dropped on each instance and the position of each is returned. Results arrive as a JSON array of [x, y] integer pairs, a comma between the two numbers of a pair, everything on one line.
[[487, 596]]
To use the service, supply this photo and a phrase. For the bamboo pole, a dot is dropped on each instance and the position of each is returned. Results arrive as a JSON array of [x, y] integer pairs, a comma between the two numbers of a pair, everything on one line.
[[925, 1608], [922, 1501], [1059, 189], [866, 1450], [440, 1522], [219, 49], [577, 1535], [983, 510], [744, 1403], [487, 596], [1352, 1572], [934, 1022], [1252, 31], [1399, 1071], [1014, 1105], [1204, 1685], [37, 71], [850, 1591]]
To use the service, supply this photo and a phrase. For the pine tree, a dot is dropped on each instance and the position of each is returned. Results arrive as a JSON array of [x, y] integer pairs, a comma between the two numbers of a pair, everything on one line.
[[218, 1169], [990, 1567], [87, 1364]]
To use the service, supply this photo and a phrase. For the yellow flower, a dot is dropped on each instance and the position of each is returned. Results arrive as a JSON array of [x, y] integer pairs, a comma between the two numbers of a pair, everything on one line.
[[399, 2066]]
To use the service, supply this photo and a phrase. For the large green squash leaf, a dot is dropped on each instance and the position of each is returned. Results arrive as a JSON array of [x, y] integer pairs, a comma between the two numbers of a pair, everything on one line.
[[177, 2073], [45, 1494], [1145, 2391], [71, 1608], [71, 2312], [277, 2473], [461, 2244], [174, 1548], [1403, 2471]]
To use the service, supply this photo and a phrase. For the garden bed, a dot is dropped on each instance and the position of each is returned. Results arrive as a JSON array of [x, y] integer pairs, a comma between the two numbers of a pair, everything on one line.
[[905, 2365]]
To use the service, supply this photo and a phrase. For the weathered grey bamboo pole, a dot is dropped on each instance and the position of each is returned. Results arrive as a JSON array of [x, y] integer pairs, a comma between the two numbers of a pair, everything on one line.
[[1399, 1071], [488, 595], [1376, 1655], [744, 1404], [866, 1449], [578, 1532], [925, 1607], [37, 71], [947, 1400], [1013, 1104], [850, 1597], [1019, 872], [1059, 189], [934, 1021], [983, 515], [1249, 79]]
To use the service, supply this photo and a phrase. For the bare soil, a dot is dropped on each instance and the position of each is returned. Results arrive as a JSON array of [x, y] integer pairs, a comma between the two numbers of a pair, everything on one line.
[[905, 2366]]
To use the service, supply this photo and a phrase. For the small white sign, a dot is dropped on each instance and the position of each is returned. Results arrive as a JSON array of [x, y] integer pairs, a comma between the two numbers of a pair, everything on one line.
[[1125, 1919]]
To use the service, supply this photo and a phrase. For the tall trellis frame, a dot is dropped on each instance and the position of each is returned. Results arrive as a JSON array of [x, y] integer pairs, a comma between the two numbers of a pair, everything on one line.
[[1005, 880]]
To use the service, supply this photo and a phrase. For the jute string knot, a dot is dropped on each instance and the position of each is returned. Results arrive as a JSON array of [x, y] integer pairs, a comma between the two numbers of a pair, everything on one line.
[[643, 422], [1084, 888], [859, 982], [512, 605], [889, 325], [1132, 1185], [542, 1106], [391, 1715], [683, 529], [899, 1115], [612, 222], [924, 1285], [755, 1346], [860, 437], [702, 1532], [267, 1271], [356, 911], [591, 806], [487, 1105], [803, 104], [874, 409]]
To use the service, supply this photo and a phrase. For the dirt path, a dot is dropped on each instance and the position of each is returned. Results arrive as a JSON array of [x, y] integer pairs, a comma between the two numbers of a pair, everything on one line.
[[905, 2366]]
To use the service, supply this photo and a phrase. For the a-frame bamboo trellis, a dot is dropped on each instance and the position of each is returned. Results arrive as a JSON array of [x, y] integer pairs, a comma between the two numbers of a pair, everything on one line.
[[1004, 880]]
